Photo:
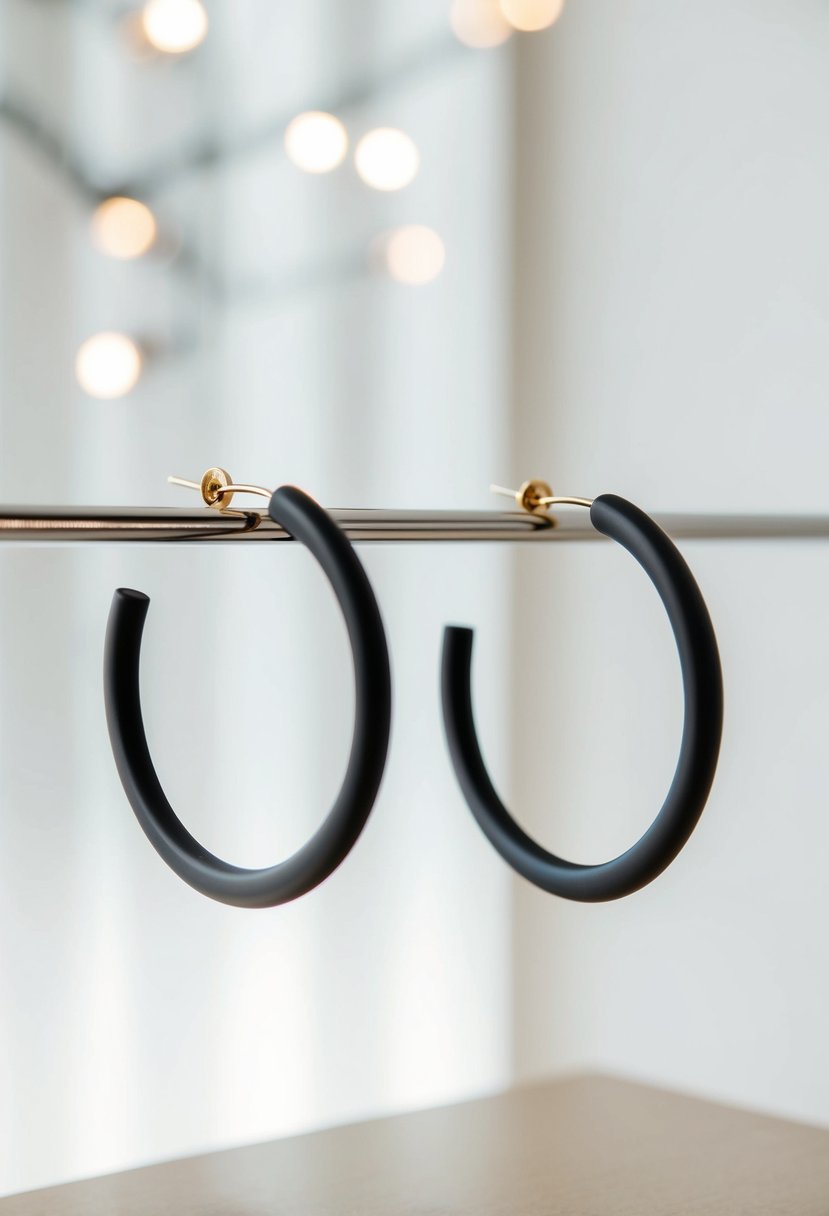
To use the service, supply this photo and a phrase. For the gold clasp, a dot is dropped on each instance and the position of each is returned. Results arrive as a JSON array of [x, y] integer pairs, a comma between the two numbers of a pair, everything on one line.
[[536, 497], [217, 488]]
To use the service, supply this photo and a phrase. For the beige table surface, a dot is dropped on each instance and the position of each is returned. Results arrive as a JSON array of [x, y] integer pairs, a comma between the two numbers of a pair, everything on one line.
[[588, 1146]]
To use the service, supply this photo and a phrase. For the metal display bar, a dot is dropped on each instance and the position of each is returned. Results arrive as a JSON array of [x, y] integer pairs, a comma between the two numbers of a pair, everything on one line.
[[61, 525]]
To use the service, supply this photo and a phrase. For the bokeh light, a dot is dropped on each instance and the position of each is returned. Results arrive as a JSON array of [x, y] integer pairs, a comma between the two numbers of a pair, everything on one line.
[[387, 159], [414, 254], [479, 23], [316, 142], [531, 15], [174, 26], [108, 365], [123, 227]]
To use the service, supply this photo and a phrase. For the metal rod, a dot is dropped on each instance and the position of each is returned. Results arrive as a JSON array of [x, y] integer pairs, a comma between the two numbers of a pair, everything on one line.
[[62, 525]]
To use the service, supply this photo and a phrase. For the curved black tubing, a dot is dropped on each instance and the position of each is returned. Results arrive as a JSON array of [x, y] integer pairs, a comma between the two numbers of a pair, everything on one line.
[[308, 523], [701, 733]]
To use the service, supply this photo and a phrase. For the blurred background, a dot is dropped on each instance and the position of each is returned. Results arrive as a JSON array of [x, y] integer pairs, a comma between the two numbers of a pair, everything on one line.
[[393, 253]]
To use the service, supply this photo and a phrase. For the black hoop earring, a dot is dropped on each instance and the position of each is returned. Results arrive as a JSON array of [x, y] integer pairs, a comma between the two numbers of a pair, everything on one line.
[[702, 730], [311, 525]]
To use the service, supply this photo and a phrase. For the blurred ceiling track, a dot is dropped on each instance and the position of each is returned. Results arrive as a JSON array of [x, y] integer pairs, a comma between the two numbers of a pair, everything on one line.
[[209, 153], [73, 525]]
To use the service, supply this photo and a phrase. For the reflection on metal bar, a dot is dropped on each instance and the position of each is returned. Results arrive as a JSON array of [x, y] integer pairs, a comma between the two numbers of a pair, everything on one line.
[[29, 524]]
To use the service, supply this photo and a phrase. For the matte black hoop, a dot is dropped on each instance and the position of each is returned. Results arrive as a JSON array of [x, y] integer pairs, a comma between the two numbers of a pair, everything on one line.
[[308, 523], [701, 732]]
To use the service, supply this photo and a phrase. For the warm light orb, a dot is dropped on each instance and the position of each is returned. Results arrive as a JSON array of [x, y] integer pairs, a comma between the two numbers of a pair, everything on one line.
[[123, 227], [316, 142], [414, 255], [386, 159], [108, 365], [174, 26], [531, 15], [479, 23]]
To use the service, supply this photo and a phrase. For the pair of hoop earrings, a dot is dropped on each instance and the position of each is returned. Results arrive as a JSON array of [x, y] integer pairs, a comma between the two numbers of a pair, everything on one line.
[[307, 522]]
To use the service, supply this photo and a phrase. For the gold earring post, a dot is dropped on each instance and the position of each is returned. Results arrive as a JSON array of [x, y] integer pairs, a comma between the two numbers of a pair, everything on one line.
[[536, 497], [217, 488]]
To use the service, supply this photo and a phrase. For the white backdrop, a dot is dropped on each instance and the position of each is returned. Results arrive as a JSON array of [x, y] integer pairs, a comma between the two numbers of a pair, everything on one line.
[[673, 347], [139, 1020]]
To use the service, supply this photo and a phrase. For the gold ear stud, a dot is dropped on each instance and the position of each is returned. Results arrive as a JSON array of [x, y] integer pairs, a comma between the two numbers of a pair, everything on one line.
[[536, 497], [217, 488]]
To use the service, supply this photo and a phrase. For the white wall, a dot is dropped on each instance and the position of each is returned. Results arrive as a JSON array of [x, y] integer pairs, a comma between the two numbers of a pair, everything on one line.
[[139, 1020], [673, 347], [670, 345]]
